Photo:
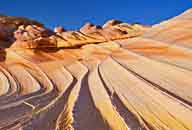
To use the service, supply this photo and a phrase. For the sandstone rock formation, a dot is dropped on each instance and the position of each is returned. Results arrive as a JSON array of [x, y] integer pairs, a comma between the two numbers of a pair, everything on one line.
[[10, 24], [116, 77]]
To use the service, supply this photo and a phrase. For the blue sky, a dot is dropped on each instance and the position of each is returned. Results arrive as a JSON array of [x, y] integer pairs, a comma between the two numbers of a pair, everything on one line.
[[74, 13]]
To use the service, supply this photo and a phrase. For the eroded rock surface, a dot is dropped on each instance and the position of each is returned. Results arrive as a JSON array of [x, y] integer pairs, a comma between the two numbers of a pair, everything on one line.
[[29, 34], [115, 77]]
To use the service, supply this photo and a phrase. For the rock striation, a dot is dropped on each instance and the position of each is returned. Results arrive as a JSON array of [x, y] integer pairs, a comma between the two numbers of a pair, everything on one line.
[[34, 35], [118, 76]]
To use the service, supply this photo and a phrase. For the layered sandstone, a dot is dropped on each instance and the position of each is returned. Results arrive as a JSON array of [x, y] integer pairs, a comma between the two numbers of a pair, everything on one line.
[[118, 76], [25, 33]]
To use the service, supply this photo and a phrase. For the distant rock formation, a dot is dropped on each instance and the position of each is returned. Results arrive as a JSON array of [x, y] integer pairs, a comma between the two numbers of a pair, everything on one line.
[[118, 76], [25, 33], [9, 24]]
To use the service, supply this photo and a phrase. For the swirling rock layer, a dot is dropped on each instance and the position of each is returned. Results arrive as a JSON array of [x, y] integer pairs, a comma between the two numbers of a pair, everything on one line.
[[115, 77]]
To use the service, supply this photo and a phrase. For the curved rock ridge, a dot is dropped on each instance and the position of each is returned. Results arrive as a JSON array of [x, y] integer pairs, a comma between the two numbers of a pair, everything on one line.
[[112, 79]]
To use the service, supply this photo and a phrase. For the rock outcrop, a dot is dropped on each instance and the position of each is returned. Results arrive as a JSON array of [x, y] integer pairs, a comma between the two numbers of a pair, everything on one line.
[[118, 76], [23, 33], [9, 24]]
